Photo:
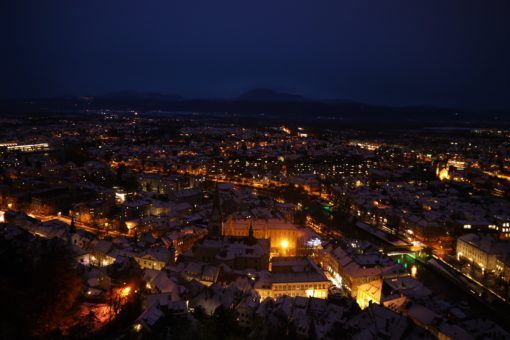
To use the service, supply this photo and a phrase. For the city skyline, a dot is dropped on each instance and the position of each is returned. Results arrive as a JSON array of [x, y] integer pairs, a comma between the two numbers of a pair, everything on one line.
[[291, 169]]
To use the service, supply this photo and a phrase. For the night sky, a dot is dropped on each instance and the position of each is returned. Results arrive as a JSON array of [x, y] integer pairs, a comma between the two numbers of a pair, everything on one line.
[[398, 52]]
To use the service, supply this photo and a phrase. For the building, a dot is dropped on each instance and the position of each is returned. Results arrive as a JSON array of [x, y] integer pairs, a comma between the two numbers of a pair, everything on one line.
[[358, 263], [201, 272], [503, 226], [236, 252], [135, 208], [286, 239], [28, 147], [392, 293], [368, 293], [91, 212], [154, 258], [99, 255], [293, 276], [481, 250]]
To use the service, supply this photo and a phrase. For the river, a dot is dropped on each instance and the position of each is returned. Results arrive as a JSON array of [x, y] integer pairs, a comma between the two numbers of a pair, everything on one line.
[[439, 285]]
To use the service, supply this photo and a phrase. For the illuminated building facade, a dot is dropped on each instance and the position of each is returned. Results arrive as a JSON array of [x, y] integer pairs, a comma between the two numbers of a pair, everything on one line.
[[154, 259], [286, 239], [369, 293], [356, 264], [293, 276], [482, 251], [27, 147]]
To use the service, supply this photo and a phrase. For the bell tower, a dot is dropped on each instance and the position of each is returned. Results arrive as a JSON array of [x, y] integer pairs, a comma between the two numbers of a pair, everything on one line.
[[251, 240]]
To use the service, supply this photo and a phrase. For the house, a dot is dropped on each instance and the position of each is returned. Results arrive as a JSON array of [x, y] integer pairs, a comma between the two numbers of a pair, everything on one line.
[[154, 258], [246, 311], [100, 253], [81, 238]]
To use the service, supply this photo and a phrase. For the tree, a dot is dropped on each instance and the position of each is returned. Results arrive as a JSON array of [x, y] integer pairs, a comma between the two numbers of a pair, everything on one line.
[[39, 286]]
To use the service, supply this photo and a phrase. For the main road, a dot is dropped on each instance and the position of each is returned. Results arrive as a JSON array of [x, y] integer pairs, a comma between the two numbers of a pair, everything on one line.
[[80, 225]]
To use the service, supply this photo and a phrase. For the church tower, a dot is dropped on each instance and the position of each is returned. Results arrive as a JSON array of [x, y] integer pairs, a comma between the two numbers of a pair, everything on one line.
[[72, 226], [251, 240], [71, 230], [216, 218]]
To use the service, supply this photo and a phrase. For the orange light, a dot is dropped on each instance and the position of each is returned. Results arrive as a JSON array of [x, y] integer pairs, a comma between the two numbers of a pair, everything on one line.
[[284, 244], [125, 291], [414, 271], [444, 175]]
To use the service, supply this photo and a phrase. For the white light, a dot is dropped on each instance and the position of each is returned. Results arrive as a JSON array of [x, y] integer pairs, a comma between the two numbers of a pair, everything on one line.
[[314, 242]]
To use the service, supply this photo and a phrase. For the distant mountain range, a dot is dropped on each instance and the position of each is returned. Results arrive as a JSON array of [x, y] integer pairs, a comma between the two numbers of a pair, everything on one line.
[[255, 102], [135, 95], [267, 95]]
